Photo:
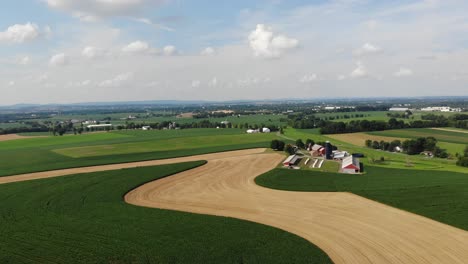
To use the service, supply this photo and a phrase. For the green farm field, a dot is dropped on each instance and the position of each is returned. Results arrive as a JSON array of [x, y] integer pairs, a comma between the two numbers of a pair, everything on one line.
[[40, 154], [440, 195], [165, 145], [84, 219]]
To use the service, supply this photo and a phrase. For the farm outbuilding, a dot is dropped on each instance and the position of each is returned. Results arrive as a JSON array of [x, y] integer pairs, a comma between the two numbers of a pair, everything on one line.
[[291, 160], [317, 150], [266, 130], [350, 165]]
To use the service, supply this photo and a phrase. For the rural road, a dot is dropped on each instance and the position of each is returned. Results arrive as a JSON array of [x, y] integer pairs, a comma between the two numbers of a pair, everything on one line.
[[349, 228]]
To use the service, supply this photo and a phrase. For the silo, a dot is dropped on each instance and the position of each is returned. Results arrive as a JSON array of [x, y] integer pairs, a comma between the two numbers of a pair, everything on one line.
[[328, 150]]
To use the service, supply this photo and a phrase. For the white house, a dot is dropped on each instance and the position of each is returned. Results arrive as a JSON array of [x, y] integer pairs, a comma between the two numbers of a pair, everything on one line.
[[266, 130], [252, 131], [145, 128]]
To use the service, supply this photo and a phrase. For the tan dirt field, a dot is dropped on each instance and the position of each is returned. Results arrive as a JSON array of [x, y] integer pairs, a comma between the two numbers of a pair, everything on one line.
[[450, 130], [64, 172], [349, 228], [13, 137], [359, 139]]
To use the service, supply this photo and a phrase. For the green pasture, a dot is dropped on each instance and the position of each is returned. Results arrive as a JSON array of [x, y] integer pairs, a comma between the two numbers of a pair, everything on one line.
[[165, 145], [83, 219], [440, 195]]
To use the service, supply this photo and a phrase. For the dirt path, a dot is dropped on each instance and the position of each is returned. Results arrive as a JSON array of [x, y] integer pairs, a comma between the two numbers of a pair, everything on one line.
[[349, 228], [450, 130], [359, 139]]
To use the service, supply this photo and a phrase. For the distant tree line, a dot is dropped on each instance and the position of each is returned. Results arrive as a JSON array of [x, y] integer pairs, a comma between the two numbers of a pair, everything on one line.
[[463, 159], [411, 146]]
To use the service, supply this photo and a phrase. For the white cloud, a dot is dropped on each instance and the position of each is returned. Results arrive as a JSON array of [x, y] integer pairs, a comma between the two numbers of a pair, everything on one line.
[[367, 49], [43, 78], [25, 60], [360, 71], [20, 33], [403, 72], [170, 50], [308, 78], [117, 80], [196, 83], [11, 83], [213, 82], [92, 10], [59, 60], [208, 51], [137, 47], [341, 77], [265, 43], [91, 52], [156, 25]]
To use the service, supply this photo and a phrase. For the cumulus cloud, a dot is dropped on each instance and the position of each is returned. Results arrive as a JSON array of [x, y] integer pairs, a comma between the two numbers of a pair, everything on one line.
[[196, 83], [308, 78], [59, 60], [265, 43], [137, 47], [169, 50], [118, 80], [367, 49], [25, 60], [92, 10], [19, 33], [360, 71], [208, 51], [403, 72], [213, 82], [91, 52]]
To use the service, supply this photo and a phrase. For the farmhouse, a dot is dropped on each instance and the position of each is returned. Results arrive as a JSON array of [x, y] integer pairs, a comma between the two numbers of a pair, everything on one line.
[[291, 160], [317, 150], [145, 128], [266, 130], [350, 165]]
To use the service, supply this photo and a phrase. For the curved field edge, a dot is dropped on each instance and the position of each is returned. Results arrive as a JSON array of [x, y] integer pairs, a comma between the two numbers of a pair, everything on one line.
[[84, 219], [37, 160], [439, 195]]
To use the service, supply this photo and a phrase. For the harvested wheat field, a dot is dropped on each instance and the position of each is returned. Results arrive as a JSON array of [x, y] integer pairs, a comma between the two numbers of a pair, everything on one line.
[[359, 139], [14, 136], [349, 228]]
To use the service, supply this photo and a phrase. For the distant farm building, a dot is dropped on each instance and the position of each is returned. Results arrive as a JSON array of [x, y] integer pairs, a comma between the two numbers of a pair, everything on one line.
[[266, 130], [291, 160], [398, 109], [252, 131], [145, 128], [317, 150], [339, 155], [225, 123], [441, 109], [350, 165], [100, 126]]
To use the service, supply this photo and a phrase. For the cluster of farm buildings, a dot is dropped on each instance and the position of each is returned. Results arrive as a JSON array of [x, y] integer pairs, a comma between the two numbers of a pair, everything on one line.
[[427, 109], [317, 154]]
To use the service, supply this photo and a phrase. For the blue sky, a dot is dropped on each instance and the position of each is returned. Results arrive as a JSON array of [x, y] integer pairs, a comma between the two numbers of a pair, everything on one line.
[[63, 51]]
